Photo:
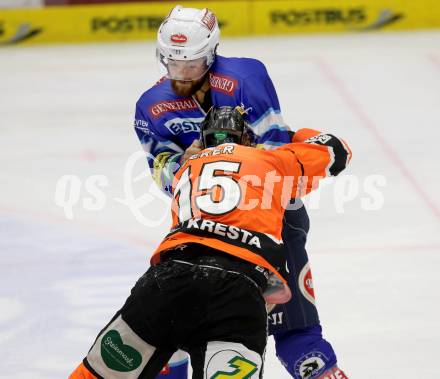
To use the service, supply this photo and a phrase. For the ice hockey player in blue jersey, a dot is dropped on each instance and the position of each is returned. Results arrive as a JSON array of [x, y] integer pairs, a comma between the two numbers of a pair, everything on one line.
[[167, 122]]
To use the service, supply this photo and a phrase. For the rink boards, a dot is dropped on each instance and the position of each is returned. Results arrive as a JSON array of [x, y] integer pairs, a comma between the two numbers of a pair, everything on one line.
[[139, 21]]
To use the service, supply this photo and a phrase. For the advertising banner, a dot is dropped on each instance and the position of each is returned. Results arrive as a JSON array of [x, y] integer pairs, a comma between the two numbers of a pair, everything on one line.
[[106, 23], [324, 16], [140, 21]]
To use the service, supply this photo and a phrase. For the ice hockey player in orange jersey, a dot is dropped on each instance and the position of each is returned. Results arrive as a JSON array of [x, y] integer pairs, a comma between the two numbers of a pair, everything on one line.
[[211, 276]]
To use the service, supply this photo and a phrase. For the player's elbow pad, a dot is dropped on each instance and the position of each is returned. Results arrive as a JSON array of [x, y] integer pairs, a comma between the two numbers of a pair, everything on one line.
[[338, 149]]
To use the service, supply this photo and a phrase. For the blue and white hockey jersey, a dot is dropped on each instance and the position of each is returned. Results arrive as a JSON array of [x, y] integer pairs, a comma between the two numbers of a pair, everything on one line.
[[167, 124]]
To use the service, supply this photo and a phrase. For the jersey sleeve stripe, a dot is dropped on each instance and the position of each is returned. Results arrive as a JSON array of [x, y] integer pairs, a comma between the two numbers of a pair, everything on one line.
[[272, 119], [266, 114], [329, 167], [152, 146]]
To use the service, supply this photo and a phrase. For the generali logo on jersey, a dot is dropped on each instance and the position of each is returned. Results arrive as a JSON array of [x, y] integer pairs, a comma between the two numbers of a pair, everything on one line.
[[223, 83], [168, 106], [179, 38]]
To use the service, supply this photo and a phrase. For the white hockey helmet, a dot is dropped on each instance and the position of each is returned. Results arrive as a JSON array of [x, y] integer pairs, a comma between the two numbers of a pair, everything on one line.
[[186, 43]]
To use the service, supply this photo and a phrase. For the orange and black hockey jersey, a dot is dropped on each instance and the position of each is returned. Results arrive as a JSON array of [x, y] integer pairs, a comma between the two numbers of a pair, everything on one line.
[[232, 197]]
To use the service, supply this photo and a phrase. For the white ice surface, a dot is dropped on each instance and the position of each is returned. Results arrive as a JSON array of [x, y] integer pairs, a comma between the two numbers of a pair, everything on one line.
[[69, 110]]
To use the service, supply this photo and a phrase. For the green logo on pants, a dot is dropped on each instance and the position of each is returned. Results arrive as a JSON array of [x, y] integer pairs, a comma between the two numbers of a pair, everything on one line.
[[243, 369], [116, 355]]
